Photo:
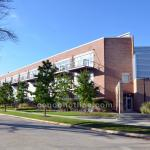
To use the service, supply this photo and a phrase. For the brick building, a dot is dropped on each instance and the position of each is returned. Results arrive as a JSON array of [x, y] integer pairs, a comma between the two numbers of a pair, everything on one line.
[[111, 64]]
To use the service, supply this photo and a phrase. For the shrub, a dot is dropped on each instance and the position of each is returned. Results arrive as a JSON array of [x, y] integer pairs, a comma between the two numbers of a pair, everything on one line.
[[25, 106], [104, 105], [145, 108]]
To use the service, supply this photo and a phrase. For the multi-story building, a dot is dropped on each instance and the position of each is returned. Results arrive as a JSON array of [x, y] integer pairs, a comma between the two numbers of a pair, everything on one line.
[[112, 64]]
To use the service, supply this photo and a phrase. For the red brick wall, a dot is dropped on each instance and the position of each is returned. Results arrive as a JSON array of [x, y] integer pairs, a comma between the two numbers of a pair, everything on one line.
[[99, 65], [118, 60]]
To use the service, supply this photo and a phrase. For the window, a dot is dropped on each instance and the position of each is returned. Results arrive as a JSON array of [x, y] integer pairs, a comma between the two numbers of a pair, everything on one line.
[[8, 79], [85, 59], [91, 76], [23, 76], [75, 79], [63, 65], [32, 73], [125, 77], [15, 78]]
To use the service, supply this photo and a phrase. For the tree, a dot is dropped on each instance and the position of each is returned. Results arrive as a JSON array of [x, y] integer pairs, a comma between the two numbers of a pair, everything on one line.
[[6, 94], [22, 91], [85, 89], [63, 85], [45, 84], [5, 34]]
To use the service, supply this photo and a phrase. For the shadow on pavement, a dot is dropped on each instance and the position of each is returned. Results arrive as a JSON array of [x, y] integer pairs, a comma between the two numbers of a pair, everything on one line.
[[14, 127]]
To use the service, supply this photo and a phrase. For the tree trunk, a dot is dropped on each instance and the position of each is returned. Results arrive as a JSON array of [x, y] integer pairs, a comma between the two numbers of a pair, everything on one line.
[[5, 107], [45, 111]]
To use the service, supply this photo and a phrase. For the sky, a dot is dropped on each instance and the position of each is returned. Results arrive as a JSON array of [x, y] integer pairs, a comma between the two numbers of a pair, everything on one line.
[[47, 27]]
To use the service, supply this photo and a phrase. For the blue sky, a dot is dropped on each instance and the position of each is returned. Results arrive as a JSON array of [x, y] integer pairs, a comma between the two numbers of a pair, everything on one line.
[[46, 27]]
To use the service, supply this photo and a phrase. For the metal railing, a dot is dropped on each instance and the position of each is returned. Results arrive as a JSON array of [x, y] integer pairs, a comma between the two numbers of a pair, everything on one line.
[[61, 68], [76, 64]]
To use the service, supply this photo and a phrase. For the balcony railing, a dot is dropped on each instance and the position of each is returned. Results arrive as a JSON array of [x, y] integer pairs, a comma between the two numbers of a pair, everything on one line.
[[71, 66], [15, 80], [75, 64]]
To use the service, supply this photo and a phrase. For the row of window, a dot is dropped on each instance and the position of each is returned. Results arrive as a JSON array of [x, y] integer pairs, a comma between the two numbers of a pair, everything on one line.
[[21, 77], [125, 77], [85, 59]]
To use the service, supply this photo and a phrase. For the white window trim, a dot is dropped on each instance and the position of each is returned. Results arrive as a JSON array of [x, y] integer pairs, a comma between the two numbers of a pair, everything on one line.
[[125, 74]]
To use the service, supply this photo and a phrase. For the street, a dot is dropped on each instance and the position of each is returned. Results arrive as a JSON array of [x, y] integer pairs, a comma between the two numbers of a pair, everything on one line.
[[21, 134]]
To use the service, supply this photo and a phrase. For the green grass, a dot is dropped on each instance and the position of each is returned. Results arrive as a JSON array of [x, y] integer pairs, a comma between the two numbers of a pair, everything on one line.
[[94, 124], [74, 113]]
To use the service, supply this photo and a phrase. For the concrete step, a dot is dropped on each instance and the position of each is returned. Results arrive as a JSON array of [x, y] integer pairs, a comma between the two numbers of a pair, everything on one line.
[[137, 116]]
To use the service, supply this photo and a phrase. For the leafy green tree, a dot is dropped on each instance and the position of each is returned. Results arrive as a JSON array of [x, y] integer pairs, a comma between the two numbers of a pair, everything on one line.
[[45, 84], [85, 89], [5, 34], [22, 91], [6, 94], [63, 83]]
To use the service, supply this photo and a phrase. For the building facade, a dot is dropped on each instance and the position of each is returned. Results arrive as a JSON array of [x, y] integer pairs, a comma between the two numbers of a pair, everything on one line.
[[141, 76], [111, 63]]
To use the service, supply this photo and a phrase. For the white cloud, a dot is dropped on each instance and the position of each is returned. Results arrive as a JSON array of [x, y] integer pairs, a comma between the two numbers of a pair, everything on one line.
[[13, 16]]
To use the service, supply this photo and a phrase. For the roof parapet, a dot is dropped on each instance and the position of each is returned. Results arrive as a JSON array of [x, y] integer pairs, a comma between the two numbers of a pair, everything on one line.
[[128, 34]]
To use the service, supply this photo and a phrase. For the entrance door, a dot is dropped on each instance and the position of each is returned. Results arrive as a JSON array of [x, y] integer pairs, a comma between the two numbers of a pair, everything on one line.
[[128, 102]]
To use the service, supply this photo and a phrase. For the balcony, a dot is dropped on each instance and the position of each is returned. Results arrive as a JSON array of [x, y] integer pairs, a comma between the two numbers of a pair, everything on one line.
[[75, 66], [15, 80], [8, 79], [68, 66]]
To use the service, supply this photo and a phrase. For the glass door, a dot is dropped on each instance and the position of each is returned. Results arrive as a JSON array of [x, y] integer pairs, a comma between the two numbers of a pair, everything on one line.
[[128, 102]]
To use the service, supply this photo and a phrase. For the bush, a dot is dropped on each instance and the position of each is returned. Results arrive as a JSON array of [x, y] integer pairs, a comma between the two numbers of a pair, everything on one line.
[[104, 105], [145, 108], [25, 106]]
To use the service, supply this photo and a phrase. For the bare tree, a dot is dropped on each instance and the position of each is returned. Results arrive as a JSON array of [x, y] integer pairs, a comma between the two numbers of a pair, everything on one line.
[[5, 34]]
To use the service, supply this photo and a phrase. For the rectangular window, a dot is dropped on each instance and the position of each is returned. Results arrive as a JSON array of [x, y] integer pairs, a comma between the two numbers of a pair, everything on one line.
[[84, 60], [32, 73], [125, 77], [75, 79], [24, 76], [92, 76], [15, 78], [8, 79], [64, 65]]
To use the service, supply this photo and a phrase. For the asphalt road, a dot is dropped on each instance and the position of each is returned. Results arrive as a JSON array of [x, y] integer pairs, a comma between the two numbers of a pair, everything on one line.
[[20, 134]]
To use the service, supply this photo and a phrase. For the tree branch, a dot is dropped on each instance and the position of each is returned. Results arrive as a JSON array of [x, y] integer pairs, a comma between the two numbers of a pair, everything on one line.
[[6, 34]]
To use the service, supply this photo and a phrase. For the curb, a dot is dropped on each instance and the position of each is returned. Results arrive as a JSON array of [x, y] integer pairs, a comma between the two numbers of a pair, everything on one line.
[[126, 134], [44, 121]]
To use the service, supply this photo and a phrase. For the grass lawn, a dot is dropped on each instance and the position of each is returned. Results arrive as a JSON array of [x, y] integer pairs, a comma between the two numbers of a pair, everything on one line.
[[75, 113], [94, 124]]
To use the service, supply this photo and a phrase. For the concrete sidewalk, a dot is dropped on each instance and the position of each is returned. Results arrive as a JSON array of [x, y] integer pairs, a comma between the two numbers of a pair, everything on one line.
[[124, 118], [119, 121]]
